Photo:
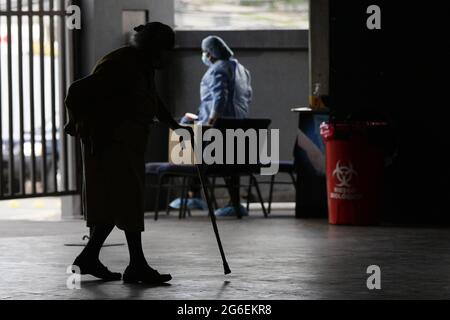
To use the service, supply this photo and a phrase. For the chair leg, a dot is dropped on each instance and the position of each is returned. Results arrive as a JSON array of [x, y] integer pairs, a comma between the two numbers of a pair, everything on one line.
[[213, 185], [236, 187], [169, 190], [259, 196], [249, 192], [233, 186], [183, 187], [158, 191], [272, 181], [186, 198]]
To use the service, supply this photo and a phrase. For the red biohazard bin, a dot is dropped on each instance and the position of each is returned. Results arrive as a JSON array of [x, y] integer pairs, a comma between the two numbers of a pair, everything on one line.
[[354, 173]]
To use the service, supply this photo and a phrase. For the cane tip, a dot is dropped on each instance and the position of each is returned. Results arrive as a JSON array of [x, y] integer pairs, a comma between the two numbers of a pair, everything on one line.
[[226, 270]]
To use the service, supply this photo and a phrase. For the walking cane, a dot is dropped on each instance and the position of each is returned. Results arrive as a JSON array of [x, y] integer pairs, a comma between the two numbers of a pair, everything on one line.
[[203, 182]]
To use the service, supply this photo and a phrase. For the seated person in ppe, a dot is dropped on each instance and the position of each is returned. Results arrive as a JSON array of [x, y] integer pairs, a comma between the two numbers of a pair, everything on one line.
[[225, 91]]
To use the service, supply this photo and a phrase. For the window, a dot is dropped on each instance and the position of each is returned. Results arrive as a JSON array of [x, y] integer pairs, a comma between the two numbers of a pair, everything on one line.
[[35, 68], [241, 14], [130, 20]]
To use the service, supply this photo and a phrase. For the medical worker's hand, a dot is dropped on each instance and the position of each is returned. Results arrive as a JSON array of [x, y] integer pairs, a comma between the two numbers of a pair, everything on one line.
[[190, 116]]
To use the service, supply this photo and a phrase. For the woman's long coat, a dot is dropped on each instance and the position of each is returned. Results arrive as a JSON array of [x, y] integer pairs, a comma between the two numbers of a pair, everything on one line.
[[114, 107]]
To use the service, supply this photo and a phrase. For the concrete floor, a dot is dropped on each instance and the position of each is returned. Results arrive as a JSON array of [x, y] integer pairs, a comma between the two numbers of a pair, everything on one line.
[[275, 258], [35, 209]]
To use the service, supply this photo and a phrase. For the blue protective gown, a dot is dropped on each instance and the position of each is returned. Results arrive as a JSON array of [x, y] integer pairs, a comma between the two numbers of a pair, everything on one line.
[[225, 91]]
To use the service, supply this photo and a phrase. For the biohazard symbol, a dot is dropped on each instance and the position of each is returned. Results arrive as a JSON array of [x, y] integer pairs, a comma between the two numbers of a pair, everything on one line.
[[344, 174]]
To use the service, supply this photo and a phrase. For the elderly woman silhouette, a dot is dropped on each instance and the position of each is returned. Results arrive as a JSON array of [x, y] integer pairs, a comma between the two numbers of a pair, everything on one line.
[[111, 111]]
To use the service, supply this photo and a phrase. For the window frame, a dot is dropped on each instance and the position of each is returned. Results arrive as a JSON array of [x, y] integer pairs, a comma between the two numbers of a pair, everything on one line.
[[294, 39]]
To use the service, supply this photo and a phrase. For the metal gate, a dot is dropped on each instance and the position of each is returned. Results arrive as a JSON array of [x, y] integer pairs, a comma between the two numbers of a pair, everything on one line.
[[36, 64]]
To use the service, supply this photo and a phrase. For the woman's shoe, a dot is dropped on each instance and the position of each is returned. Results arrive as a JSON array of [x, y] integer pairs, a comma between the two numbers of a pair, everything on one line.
[[145, 275], [96, 269]]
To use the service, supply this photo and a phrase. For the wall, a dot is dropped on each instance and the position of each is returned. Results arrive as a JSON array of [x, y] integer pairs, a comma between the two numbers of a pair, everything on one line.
[[102, 25]]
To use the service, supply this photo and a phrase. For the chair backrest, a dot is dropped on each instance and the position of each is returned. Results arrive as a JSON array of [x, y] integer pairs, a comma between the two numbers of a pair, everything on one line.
[[230, 123], [250, 127]]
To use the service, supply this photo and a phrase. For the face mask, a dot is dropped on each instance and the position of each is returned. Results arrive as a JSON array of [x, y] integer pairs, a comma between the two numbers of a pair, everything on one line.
[[206, 60]]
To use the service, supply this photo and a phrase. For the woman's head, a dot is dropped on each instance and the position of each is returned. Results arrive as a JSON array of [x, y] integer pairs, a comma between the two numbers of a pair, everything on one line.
[[156, 40]]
